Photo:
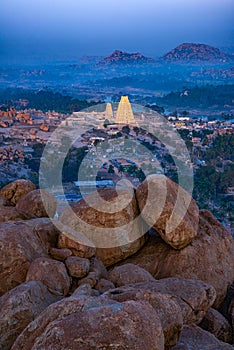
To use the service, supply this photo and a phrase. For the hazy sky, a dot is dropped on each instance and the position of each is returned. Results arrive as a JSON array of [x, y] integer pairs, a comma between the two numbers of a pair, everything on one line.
[[71, 28]]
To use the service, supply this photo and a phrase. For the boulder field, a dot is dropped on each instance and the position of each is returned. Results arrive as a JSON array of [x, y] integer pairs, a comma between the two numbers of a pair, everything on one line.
[[166, 283]]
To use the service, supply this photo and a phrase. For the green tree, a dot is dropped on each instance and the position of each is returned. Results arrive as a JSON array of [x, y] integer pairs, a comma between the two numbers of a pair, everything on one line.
[[111, 169]]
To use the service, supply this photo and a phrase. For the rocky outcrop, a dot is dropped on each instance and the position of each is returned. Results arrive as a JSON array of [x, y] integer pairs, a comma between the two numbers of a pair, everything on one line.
[[15, 190], [91, 323], [195, 338], [121, 57], [128, 274], [22, 242], [176, 222], [188, 52], [52, 273], [113, 227], [216, 323], [210, 257], [39, 203], [134, 305], [19, 307]]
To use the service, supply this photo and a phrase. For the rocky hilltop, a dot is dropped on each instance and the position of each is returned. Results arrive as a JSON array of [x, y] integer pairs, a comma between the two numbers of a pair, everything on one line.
[[196, 52], [121, 57], [162, 290]]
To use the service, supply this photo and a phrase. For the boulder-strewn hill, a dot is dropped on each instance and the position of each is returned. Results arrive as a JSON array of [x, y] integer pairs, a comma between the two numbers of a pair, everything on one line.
[[196, 52], [121, 57], [60, 290]]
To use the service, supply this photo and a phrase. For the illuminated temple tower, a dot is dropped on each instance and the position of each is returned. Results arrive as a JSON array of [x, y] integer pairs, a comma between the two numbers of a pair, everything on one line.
[[124, 113], [109, 111]]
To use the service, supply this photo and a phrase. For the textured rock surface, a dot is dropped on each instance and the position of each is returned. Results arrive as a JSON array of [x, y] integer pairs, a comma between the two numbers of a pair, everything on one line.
[[77, 267], [115, 233], [94, 323], [193, 297], [4, 202], [21, 242], [15, 190], [52, 273], [11, 214], [91, 279], [80, 247], [60, 254], [39, 203], [157, 198], [97, 266], [194, 338], [128, 274], [217, 324], [165, 305], [104, 285], [19, 307], [210, 257]]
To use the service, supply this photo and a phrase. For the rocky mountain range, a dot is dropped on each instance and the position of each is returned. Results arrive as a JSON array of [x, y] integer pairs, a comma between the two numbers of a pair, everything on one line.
[[184, 53]]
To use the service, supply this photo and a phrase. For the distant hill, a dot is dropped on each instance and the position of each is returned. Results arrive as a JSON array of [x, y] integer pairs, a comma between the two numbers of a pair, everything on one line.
[[196, 52], [121, 57]]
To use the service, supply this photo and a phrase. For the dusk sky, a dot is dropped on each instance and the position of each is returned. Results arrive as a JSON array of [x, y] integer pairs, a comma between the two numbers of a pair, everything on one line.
[[72, 28]]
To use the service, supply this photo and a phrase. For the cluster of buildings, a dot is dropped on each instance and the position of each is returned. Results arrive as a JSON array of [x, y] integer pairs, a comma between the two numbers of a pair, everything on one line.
[[20, 130]]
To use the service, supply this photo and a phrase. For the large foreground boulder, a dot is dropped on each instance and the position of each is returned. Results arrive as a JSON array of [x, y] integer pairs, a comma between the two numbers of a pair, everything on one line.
[[17, 189], [19, 307], [194, 338], [39, 203], [94, 323], [169, 209], [110, 221], [193, 297], [22, 242], [210, 257]]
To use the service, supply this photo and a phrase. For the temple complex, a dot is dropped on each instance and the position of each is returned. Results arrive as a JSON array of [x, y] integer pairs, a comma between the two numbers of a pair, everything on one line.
[[109, 111], [124, 113]]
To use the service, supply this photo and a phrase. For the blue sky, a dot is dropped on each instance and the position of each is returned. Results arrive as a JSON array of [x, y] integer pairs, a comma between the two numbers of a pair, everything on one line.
[[71, 28]]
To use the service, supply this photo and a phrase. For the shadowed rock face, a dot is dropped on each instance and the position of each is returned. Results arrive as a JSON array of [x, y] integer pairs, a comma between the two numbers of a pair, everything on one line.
[[128, 274], [15, 190], [195, 338], [52, 273], [217, 324], [22, 242], [19, 307], [210, 257], [39, 203], [12, 213], [128, 236], [177, 224], [4, 202], [91, 323]]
